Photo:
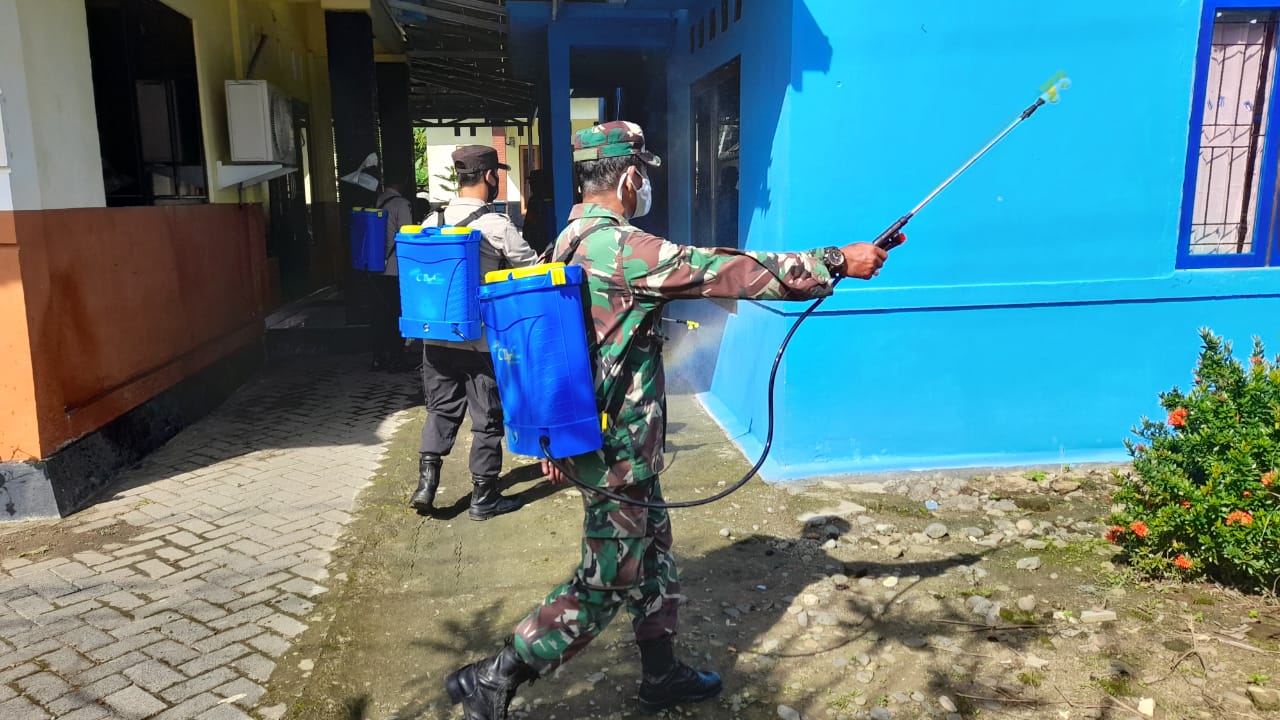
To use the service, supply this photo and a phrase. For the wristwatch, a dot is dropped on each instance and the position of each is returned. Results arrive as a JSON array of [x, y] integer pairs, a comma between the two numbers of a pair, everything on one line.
[[834, 260]]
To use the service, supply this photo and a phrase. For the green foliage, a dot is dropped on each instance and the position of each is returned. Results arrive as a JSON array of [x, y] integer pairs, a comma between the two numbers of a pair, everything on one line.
[[421, 178], [1204, 499], [448, 180]]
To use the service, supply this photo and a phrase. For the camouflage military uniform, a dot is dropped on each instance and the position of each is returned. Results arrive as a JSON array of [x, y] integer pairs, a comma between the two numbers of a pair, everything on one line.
[[626, 550]]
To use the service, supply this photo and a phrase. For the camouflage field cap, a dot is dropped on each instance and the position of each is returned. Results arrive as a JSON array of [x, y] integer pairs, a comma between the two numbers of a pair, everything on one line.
[[612, 139]]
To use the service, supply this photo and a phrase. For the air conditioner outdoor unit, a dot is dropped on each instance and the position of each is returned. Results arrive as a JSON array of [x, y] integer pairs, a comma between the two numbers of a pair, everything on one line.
[[260, 122]]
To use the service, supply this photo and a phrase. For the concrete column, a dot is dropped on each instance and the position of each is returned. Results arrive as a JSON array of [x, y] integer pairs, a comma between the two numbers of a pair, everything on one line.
[[393, 118], [352, 80], [557, 128]]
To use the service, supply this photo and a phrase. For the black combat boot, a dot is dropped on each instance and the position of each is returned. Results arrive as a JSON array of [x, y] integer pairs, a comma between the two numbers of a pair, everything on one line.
[[487, 502], [428, 481], [485, 688], [668, 682]]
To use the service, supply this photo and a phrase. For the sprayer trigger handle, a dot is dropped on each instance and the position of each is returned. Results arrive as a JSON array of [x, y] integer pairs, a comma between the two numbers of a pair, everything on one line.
[[892, 237], [895, 241]]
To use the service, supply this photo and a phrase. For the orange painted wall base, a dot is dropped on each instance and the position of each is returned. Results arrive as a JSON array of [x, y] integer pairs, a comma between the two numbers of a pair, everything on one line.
[[120, 305]]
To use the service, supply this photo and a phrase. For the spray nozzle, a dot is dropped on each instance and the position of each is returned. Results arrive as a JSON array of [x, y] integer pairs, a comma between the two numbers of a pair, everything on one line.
[[1051, 90], [691, 324]]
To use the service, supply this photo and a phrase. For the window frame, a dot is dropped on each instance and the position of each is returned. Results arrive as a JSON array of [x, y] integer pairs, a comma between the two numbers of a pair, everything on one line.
[[174, 82], [708, 84], [1266, 241]]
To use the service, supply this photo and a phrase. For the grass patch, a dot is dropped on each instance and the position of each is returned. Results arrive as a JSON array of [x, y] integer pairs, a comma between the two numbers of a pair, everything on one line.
[[1116, 686], [1014, 616], [1031, 678], [844, 700], [1080, 551]]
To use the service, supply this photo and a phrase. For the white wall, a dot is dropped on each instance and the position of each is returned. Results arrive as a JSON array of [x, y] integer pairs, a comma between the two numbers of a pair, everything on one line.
[[6, 194], [441, 142], [584, 109], [51, 124]]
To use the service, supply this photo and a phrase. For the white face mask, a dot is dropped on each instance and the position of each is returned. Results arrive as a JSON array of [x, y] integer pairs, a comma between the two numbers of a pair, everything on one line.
[[644, 196]]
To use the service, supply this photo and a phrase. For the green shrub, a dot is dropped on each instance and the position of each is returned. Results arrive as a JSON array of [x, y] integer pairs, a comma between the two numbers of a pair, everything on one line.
[[1203, 499]]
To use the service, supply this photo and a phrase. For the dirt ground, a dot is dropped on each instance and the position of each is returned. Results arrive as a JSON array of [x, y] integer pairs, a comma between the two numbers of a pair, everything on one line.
[[829, 600]]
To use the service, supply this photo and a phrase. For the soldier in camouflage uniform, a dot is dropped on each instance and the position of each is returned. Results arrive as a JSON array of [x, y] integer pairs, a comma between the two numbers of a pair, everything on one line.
[[626, 550]]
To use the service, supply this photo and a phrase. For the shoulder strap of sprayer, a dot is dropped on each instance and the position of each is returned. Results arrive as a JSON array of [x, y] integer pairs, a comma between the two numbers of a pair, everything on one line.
[[570, 250], [439, 215], [574, 242], [480, 212], [391, 250]]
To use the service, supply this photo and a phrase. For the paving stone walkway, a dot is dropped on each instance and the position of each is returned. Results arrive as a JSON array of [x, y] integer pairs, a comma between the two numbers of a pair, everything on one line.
[[227, 531]]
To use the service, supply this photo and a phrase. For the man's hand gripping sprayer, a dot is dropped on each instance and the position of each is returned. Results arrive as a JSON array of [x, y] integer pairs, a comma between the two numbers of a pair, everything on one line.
[[889, 239]]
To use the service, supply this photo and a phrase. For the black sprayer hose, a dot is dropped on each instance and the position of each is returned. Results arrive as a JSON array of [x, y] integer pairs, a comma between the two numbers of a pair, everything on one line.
[[545, 442]]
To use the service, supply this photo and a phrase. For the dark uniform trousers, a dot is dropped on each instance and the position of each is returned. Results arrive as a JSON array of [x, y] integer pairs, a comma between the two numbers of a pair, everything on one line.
[[454, 379], [388, 343]]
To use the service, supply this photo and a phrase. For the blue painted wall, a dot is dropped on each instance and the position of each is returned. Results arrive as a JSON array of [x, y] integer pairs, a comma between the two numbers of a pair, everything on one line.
[[1036, 310]]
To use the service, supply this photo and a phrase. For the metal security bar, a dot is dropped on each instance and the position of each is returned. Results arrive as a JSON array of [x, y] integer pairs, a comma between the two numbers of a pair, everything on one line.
[[1233, 131]]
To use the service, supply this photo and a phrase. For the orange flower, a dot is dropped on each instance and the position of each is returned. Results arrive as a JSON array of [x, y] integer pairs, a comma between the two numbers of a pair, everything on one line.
[[1182, 562], [1239, 517], [1248, 494], [1268, 478], [1186, 504], [1115, 533], [1178, 417], [1139, 528]]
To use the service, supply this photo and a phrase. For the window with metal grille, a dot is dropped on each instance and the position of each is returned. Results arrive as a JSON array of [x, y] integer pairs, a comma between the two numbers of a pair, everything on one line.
[[1229, 212]]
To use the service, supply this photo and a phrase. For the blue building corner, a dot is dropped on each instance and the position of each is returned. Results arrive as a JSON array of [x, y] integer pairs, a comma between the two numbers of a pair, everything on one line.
[[1042, 302]]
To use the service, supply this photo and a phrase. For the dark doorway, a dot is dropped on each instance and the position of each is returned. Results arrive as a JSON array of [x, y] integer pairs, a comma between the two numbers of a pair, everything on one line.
[[289, 236], [148, 103], [639, 95], [716, 113]]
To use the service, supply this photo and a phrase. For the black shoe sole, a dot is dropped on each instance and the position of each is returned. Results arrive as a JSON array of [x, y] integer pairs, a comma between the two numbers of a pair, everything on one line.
[[652, 707], [481, 516]]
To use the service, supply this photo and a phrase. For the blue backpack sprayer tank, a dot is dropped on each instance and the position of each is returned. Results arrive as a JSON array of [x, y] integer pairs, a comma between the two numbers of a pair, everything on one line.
[[535, 316], [439, 273]]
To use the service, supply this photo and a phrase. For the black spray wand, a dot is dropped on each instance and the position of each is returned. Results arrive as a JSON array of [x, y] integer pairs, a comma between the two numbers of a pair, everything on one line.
[[892, 237]]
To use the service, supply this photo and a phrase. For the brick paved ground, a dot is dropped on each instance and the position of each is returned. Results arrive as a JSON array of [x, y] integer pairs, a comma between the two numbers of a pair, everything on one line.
[[232, 525]]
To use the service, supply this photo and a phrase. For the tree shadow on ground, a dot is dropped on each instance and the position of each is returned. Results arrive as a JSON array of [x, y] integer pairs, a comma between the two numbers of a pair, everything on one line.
[[727, 613]]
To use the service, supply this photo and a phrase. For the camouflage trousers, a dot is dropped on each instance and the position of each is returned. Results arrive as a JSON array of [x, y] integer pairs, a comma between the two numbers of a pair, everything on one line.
[[626, 561]]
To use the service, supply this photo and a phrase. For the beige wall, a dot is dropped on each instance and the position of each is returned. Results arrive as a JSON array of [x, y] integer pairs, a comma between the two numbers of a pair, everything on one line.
[[226, 34]]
